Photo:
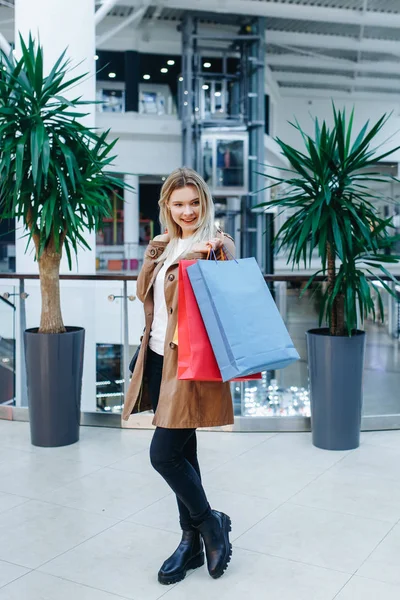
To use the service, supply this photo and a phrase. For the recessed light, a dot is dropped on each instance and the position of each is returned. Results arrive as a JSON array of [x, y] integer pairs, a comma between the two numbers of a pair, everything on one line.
[[205, 87], [170, 62], [196, 109], [180, 78], [217, 94], [186, 92], [185, 104], [164, 70], [146, 76], [163, 178], [207, 65], [96, 57], [112, 75]]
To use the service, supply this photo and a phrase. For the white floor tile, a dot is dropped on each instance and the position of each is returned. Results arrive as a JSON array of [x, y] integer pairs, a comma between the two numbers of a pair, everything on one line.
[[39, 586], [375, 461], [123, 560], [98, 521], [359, 588], [258, 478], [100, 447], [34, 475], [15, 435], [10, 572], [10, 500], [353, 493], [245, 511], [384, 562], [256, 576], [318, 537], [387, 439], [110, 492], [36, 532], [7, 453], [294, 451]]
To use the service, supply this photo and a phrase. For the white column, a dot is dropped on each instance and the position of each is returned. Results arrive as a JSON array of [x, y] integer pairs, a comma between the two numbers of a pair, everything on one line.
[[60, 24], [131, 217]]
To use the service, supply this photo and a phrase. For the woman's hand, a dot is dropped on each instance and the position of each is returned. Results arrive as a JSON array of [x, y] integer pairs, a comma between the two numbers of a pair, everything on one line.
[[205, 247]]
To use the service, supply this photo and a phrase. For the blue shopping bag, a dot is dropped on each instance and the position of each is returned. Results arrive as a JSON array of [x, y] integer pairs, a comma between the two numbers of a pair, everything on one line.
[[244, 326]]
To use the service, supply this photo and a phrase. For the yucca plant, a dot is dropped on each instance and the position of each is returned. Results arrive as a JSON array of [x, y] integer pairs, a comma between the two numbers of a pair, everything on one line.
[[52, 167], [334, 211]]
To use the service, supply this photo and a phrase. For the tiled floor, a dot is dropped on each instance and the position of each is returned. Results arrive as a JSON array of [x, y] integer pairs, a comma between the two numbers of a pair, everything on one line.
[[94, 522]]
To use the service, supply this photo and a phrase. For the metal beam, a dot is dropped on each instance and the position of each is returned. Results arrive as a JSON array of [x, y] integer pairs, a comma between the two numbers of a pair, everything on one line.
[[308, 61], [339, 80], [103, 11], [336, 42], [135, 16], [311, 94], [284, 10]]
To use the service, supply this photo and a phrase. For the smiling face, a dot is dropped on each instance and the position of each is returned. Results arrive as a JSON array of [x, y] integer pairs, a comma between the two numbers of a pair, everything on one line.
[[184, 204]]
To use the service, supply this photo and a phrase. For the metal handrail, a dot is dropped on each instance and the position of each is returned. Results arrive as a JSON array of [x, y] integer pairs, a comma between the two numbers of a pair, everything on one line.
[[124, 277]]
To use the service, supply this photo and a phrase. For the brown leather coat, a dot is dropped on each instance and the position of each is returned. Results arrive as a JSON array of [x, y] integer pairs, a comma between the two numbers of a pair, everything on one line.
[[182, 404]]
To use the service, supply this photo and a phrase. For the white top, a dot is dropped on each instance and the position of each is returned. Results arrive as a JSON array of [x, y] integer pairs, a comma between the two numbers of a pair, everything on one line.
[[160, 319]]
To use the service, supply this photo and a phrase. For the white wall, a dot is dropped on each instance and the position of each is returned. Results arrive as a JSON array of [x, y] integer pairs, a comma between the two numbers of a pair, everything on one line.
[[302, 108], [148, 144]]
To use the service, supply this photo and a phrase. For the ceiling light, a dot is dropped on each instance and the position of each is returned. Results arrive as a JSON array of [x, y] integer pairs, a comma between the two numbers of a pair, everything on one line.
[[207, 65], [164, 70], [163, 178], [185, 104], [205, 87], [96, 57], [170, 62], [217, 94], [112, 75], [147, 76], [186, 92], [197, 109], [180, 78]]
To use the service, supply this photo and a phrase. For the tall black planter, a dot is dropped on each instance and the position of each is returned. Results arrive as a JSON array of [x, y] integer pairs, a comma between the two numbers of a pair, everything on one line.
[[54, 364], [335, 367]]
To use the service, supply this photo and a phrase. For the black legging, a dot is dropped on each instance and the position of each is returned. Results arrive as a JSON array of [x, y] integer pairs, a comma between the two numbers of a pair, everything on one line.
[[173, 453]]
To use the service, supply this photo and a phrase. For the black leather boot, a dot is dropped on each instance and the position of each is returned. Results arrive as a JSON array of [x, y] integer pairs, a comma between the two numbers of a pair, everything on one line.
[[188, 555], [215, 533]]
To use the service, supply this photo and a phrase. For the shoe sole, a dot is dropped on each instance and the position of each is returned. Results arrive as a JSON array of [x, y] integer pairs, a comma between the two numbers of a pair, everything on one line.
[[227, 525], [194, 563]]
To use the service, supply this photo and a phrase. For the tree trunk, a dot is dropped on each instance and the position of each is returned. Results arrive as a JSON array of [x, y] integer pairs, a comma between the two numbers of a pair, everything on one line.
[[331, 285], [337, 326], [49, 268]]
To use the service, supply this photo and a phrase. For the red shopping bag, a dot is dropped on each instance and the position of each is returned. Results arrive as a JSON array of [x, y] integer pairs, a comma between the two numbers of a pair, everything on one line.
[[196, 360]]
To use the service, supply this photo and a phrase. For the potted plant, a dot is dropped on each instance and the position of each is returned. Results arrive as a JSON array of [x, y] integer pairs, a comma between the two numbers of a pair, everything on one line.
[[334, 213], [53, 178]]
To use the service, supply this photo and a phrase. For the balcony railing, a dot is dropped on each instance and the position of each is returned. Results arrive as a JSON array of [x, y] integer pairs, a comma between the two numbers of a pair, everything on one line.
[[107, 307]]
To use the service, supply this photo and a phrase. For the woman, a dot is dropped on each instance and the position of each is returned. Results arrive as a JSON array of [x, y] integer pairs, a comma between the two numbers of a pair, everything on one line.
[[187, 213]]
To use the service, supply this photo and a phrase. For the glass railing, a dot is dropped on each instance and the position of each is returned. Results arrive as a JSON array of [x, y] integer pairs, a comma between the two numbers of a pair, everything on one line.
[[7, 344], [107, 307]]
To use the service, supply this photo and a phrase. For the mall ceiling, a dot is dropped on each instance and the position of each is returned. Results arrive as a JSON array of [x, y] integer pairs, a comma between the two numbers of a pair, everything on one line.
[[350, 46]]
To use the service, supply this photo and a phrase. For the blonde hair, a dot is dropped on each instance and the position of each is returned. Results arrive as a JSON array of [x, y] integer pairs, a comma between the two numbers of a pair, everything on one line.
[[205, 228]]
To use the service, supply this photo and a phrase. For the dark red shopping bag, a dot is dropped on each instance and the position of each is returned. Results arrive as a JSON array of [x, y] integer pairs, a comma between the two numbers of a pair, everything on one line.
[[196, 360]]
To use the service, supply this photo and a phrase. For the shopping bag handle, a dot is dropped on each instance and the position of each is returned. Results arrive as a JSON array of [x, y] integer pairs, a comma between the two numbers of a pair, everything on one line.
[[225, 249], [225, 252]]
